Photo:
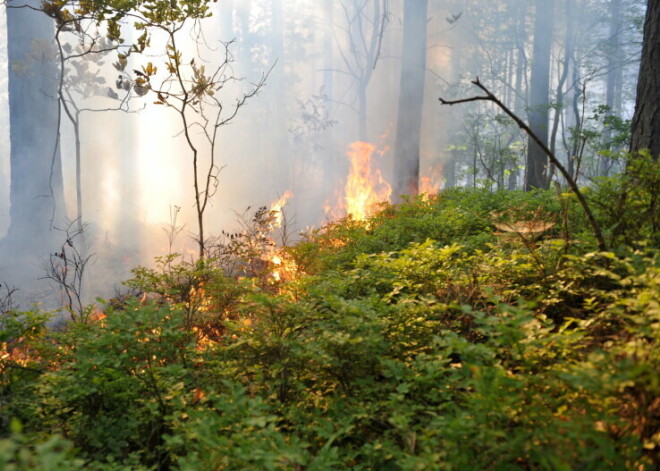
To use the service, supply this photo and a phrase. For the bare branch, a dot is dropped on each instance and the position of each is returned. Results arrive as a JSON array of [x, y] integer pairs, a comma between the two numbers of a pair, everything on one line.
[[553, 159]]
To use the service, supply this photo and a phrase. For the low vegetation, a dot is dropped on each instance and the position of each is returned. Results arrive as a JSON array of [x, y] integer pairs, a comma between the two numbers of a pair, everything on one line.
[[468, 330]]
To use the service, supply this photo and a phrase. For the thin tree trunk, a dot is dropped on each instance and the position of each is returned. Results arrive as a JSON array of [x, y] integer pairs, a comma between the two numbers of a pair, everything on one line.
[[411, 99], [362, 112], [537, 160], [36, 192], [614, 79], [569, 47], [227, 20], [331, 170]]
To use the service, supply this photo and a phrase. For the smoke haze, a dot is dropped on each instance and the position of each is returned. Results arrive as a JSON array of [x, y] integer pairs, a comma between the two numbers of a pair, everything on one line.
[[327, 90]]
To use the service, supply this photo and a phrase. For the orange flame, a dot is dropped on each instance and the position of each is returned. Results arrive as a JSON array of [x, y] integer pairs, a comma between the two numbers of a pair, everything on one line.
[[430, 183], [283, 266], [277, 206], [365, 187]]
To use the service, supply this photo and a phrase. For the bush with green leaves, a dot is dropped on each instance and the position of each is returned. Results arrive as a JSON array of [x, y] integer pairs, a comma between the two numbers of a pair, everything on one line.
[[454, 216], [118, 381], [18, 453], [423, 338], [628, 204]]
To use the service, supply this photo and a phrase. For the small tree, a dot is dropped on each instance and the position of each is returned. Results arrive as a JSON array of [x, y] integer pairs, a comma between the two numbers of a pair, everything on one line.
[[364, 29], [186, 87], [81, 49]]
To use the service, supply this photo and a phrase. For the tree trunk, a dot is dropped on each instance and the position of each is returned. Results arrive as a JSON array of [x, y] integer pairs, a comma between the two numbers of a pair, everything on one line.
[[449, 171], [565, 67], [411, 99], [362, 111], [36, 194], [646, 121], [246, 37], [537, 160], [520, 102]]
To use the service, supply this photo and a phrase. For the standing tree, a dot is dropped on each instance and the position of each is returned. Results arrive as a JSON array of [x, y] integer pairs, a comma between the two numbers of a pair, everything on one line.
[[36, 194], [192, 93], [411, 99], [614, 77], [539, 95], [80, 52], [184, 85], [646, 121], [365, 27]]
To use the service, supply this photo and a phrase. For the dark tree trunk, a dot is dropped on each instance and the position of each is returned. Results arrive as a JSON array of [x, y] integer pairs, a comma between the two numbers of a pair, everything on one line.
[[449, 171], [36, 194], [411, 99], [537, 160], [646, 121]]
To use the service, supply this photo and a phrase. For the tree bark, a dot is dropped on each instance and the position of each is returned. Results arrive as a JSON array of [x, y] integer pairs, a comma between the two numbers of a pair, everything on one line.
[[36, 193], [411, 99], [537, 160], [646, 120]]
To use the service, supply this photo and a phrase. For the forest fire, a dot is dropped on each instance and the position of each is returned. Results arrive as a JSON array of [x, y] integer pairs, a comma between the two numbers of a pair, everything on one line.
[[429, 184], [276, 209], [283, 266], [365, 186]]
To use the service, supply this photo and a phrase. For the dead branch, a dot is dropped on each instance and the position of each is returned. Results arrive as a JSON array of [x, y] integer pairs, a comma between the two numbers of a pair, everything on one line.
[[553, 159]]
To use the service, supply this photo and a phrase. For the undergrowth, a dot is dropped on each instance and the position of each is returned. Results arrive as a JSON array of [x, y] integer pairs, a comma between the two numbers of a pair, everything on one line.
[[449, 333]]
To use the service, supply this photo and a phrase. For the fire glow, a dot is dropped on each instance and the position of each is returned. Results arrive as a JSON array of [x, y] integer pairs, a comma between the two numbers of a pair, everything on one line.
[[276, 209], [430, 183], [282, 265], [365, 186]]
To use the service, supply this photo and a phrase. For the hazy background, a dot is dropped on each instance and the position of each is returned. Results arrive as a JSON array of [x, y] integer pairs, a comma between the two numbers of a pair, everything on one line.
[[296, 133]]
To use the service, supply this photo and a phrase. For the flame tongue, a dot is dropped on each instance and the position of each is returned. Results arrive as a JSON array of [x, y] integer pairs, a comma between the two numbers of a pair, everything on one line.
[[365, 187], [276, 208], [280, 264]]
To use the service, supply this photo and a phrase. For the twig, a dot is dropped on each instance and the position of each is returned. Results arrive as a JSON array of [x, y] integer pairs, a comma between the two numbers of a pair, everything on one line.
[[553, 159]]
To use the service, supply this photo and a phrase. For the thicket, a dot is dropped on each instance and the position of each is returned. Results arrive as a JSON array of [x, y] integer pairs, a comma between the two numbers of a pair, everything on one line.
[[469, 330]]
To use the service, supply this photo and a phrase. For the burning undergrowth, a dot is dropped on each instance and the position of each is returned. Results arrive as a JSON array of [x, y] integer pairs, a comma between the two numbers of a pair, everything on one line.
[[420, 307], [365, 188], [262, 255]]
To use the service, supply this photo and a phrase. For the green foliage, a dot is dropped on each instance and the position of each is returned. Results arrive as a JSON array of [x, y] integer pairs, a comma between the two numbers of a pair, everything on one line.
[[117, 382], [628, 203], [19, 454], [455, 216], [202, 290], [423, 338], [20, 334]]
